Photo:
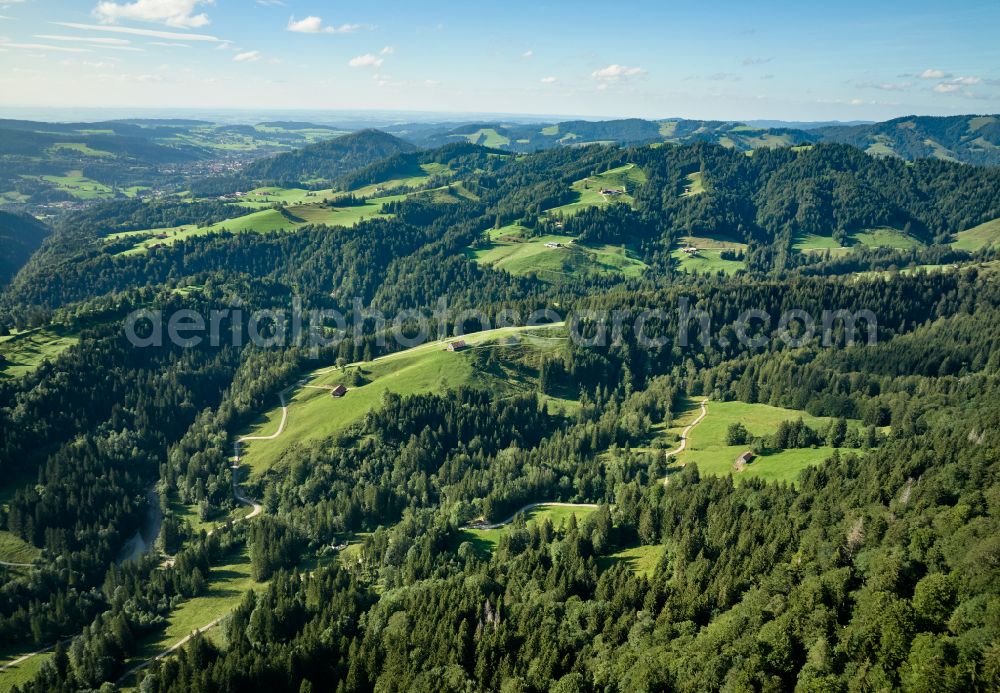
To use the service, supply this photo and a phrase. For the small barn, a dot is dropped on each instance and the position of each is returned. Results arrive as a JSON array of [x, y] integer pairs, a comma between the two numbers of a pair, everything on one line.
[[743, 460], [457, 345], [338, 391]]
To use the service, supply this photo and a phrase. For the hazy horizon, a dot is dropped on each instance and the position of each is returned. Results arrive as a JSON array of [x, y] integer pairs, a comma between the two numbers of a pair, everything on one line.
[[794, 62]]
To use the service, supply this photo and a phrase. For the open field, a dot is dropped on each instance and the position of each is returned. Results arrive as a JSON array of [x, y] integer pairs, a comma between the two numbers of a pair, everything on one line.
[[13, 549], [870, 238], [487, 137], [978, 237], [267, 220], [589, 189], [707, 445], [79, 148], [227, 583], [74, 183], [20, 674], [532, 255], [708, 260], [695, 186], [314, 415], [642, 560], [885, 238], [811, 242], [485, 540], [23, 352]]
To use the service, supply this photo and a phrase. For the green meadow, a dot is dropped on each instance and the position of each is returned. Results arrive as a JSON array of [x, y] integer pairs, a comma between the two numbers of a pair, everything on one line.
[[80, 187], [485, 540], [13, 549], [706, 260], [978, 237], [22, 673], [707, 441], [291, 218], [531, 255], [588, 190], [641, 560], [314, 415], [695, 186], [23, 352]]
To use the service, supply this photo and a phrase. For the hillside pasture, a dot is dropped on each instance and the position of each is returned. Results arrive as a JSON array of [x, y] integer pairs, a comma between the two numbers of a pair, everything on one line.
[[533, 256], [978, 237], [588, 190], [314, 415], [708, 449], [23, 352], [485, 540]]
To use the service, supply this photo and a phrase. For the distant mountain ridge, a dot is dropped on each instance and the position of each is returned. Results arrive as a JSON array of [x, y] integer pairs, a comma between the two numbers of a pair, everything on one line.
[[973, 139]]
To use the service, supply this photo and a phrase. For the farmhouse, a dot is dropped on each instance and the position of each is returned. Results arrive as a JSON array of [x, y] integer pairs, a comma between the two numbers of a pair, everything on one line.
[[553, 244], [338, 391], [457, 345], [611, 191]]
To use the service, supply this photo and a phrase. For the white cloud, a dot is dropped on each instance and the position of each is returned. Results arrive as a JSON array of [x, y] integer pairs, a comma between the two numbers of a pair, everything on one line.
[[549, 80], [314, 25], [431, 83], [176, 13], [152, 33], [169, 44], [955, 84], [270, 3], [616, 73], [755, 61], [931, 73], [857, 102], [366, 60], [44, 47], [527, 54], [886, 86], [87, 39], [248, 57], [388, 50]]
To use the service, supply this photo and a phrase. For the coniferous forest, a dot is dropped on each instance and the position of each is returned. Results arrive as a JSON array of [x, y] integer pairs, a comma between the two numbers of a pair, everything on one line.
[[387, 539]]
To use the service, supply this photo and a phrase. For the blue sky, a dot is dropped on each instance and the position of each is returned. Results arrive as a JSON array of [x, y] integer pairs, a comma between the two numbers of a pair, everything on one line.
[[722, 60]]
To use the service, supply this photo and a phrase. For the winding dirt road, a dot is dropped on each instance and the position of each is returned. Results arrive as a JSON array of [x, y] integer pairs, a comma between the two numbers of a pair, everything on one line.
[[256, 508], [684, 437]]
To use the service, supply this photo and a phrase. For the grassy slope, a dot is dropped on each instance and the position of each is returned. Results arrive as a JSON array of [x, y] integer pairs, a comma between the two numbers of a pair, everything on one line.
[[266, 221], [485, 540], [642, 560], [16, 550], [707, 444], [227, 583], [978, 237], [588, 189], [314, 415], [707, 260], [24, 351], [22, 673], [551, 263], [695, 186]]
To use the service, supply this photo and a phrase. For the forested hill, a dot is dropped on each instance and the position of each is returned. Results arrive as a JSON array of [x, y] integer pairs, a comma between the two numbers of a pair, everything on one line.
[[327, 160], [19, 238], [973, 139]]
